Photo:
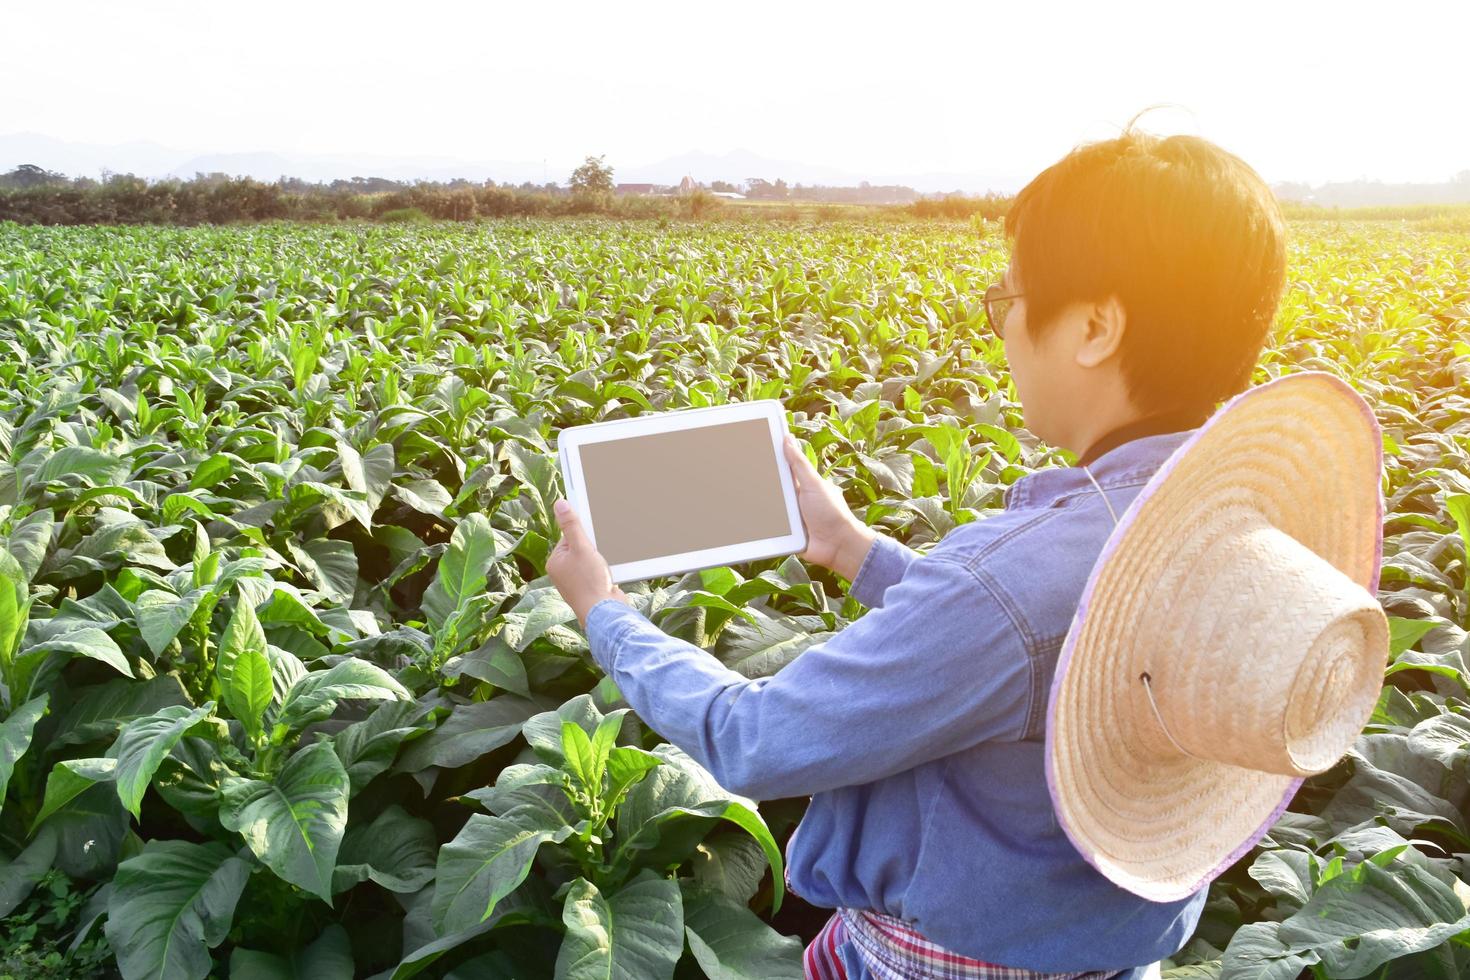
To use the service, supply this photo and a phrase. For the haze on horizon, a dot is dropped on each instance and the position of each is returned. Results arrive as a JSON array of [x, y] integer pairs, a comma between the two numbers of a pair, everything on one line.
[[1308, 91]]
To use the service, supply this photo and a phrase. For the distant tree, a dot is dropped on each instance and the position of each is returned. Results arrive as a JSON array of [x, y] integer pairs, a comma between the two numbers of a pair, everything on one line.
[[763, 189], [593, 175], [592, 184], [30, 175], [723, 186]]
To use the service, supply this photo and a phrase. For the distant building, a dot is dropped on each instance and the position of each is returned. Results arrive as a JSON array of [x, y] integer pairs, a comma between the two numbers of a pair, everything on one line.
[[636, 188], [687, 185], [729, 194]]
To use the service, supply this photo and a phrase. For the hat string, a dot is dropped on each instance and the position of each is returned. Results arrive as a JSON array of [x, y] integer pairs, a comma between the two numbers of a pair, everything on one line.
[[1144, 677]]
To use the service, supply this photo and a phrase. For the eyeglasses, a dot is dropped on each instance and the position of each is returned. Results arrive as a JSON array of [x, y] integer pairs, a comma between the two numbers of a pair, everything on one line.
[[997, 307]]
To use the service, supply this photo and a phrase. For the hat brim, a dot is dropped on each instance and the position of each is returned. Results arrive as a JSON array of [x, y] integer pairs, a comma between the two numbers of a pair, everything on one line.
[[1307, 452]]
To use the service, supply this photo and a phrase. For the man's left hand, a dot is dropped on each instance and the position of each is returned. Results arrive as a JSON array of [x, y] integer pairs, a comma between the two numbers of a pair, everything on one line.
[[577, 569]]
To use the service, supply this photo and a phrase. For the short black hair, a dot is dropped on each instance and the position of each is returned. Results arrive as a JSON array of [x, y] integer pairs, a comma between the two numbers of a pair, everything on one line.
[[1188, 238]]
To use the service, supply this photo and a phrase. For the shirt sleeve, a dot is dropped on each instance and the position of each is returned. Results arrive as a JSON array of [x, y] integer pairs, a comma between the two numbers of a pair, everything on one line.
[[885, 563], [939, 667]]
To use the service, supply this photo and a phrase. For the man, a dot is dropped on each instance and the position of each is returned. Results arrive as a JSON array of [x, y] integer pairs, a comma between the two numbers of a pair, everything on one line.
[[1143, 279]]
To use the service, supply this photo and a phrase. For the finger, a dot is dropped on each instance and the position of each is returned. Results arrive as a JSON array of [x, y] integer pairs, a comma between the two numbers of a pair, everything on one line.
[[798, 459], [570, 524]]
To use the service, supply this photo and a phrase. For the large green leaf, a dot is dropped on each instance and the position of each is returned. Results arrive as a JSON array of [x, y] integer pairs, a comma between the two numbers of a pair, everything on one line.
[[1380, 910], [465, 566], [368, 747], [370, 473], [536, 785], [142, 744], [18, 875], [15, 737], [170, 906], [28, 541], [515, 908], [87, 466], [637, 933], [730, 942], [315, 696], [485, 862], [328, 957], [538, 611], [86, 641], [14, 607], [469, 732], [329, 564], [244, 669], [396, 850], [69, 779], [161, 615], [295, 822], [102, 709], [668, 813]]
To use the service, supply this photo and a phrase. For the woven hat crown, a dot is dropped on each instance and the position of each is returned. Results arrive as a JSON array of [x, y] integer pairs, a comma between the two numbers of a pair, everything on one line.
[[1301, 680]]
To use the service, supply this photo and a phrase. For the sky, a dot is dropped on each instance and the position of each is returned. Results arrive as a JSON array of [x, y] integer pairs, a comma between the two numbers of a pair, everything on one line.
[[1304, 91]]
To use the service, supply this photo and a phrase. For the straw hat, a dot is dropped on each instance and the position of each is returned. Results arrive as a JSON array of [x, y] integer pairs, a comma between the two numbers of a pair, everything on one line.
[[1228, 643]]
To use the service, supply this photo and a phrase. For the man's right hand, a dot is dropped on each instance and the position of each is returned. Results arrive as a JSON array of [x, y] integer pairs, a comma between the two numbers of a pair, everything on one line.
[[836, 539]]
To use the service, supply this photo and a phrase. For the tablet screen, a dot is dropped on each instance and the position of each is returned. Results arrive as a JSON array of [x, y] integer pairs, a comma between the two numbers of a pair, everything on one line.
[[672, 492]]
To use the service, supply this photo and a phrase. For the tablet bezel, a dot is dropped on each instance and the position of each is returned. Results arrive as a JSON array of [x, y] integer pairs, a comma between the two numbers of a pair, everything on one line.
[[568, 446]]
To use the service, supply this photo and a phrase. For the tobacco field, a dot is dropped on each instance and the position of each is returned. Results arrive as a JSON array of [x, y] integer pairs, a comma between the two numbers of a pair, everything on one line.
[[287, 693]]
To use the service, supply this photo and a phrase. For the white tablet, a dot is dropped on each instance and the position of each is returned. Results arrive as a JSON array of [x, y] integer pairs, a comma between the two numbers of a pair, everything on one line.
[[673, 492]]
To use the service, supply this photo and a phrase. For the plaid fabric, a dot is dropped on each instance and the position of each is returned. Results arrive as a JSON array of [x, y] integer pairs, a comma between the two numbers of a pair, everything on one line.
[[891, 950]]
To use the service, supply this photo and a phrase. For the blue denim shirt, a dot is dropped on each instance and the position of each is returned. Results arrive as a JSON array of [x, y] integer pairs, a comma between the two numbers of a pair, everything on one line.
[[918, 731]]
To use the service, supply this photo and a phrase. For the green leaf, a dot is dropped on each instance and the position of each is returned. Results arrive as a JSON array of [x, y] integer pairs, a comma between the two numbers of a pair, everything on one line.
[[142, 744], [637, 933], [1257, 951], [1458, 506], [733, 864], [213, 471], [170, 906], [425, 496], [730, 942], [1357, 921], [329, 564], [543, 730], [29, 540], [538, 611], [396, 850], [493, 662], [485, 862], [625, 767], [329, 957], [14, 606], [469, 732], [69, 779], [667, 814], [603, 739], [87, 642], [577, 748], [368, 747], [294, 823], [18, 875], [513, 909], [1404, 633], [15, 736], [464, 568], [162, 615], [89, 465], [315, 696], [535, 785], [245, 670], [370, 474]]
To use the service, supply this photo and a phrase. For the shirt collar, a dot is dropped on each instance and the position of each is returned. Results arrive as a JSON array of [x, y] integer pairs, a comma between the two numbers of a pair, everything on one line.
[[1128, 455]]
